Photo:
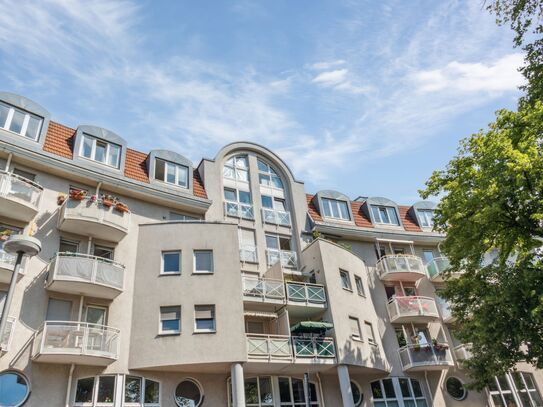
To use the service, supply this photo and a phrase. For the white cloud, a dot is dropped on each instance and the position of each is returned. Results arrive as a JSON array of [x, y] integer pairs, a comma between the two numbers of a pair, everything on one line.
[[331, 78], [327, 64]]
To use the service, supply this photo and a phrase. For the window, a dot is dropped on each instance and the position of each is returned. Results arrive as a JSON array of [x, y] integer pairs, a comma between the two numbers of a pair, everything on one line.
[[333, 208], [182, 217], [171, 173], [106, 389], [525, 385], [15, 389], [247, 246], [345, 280], [427, 255], [25, 174], [385, 214], [171, 262], [67, 246], [100, 150], [359, 286], [267, 176], [368, 330], [170, 320], [136, 394], [238, 203], [99, 391], [204, 318], [262, 392], [358, 396], [355, 328], [521, 383], [426, 217], [455, 388], [412, 392], [104, 252], [84, 391], [291, 393], [20, 122], [273, 203], [384, 394], [188, 393], [203, 261], [237, 168]]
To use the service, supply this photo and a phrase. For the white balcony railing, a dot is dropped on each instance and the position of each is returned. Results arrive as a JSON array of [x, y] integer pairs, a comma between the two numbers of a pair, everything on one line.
[[269, 346], [413, 356], [7, 260], [239, 210], [462, 352], [88, 269], [306, 293], [288, 258], [445, 309], [276, 217], [93, 211], [313, 347], [437, 266], [400, 264], [248, 253], [411, 307], [17, 188], [263, 288], [5, 341], [77, 338]]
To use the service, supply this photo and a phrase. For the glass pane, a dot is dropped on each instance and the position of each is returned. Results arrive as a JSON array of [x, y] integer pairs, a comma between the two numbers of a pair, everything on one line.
[[380, 404], [104, 252], [509, 400], [264, 179], [100, 152], [298, 390], [262, 166], [266, 395], [357, 395], [497, 399], [284, 386], [536, 398], [376, 214], [416, 388], [152, 392], [67, 247], [276, 181], [421, 403], [343, 210], [389, 388], [132, 390], [525, 399], [87, 147], [529, 378], [271, 242], [187, 394], [230, 195], [204, 261], [17, 121], [245, 197], [493, 386], [504, 384], [251, 391], [242, 175], [113, 158], [205, 324], [106, 389], [376, 390], [335, 208], [267, 202], [33, 128], [404, 385], [228, 172], [170, 325], [171, 262], [4, 110], [241, 162], [393, 216], [170, 173], [384, 215], [313, 393], [96, 315], [182, 176], [409, 403], [83, 393], [326, 207]]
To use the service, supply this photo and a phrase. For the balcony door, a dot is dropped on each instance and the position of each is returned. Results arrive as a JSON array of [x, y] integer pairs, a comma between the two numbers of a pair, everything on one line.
[[97, 316]]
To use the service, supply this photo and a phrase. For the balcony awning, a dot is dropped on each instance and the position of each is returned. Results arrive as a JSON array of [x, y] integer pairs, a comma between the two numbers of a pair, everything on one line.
[[311, 326], [270, 315]]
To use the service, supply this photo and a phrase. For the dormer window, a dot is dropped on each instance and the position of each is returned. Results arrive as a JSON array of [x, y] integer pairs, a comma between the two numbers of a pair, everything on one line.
[[333, 208], [385, 215], [20, 122], [426, 217], [101, 151], [237, 168], [268, 177], [171, 173]]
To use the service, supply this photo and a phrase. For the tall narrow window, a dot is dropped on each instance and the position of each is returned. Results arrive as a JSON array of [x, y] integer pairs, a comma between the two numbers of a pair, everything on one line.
[[345, 280], [170, 320], [204, 318], [100, 151], [171, 173], [355, 328], [359, 286], [426, 217], [247, 246], [368, 331]]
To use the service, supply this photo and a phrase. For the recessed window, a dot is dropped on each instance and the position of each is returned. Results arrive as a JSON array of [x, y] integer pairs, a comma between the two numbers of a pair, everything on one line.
[[188, 393], [384, 394], [237, 168], [501, 389], [247, 246], [455, 388], [426, 217], [171, 262], [359, 286], [238, 203], [85, 390], [171, 173], [333, 208], [203, 261], [141, 392], [355, 328], [358, 396], [204, 318], [345, 280], [385, 214], [268, 177], [368, 330], [106, 389], [103, 395], [20, 122], [182, 217], [101, 151], [170, 320], [14, 389]]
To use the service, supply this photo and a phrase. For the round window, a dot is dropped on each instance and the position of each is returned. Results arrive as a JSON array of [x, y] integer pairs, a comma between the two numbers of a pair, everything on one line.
[[358, 396], [14, 389], [188, 393], [456, 388]]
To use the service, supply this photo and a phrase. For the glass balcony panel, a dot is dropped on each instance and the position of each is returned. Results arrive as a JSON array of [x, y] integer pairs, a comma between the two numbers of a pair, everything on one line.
[[19, 188]]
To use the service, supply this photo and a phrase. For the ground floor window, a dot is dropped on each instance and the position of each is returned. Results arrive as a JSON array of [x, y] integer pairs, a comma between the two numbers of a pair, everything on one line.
[[515, 389], [188, 393], [388, 392], [14, 389]]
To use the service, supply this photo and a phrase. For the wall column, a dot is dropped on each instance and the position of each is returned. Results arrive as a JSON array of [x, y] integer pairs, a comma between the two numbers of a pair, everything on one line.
[[345, 386], [238, 384]]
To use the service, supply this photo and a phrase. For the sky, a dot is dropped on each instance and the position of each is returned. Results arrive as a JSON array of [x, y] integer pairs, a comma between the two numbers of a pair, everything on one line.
[[363, 97]]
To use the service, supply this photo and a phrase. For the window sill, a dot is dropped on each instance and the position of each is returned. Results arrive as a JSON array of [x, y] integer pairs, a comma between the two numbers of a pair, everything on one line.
[[202, 273], [198, 332], [348, 289], [357, 339], [171, 273], [161, 334]]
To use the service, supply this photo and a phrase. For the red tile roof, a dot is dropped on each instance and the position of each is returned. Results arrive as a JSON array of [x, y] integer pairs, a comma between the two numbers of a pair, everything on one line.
[[198, 186], [409, 223], [135, 166], [360, 218], [313, 212], [59, 140]]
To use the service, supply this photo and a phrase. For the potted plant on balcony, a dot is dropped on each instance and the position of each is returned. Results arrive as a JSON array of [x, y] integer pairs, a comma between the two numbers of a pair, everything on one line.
[[107, 200], [61, 198], [77, 195], [5, 234], [121, 207]]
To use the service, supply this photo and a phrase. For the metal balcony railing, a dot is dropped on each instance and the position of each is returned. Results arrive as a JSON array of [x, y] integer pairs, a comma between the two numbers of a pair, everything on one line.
[[248, 253], [462, 352], [87, 268], [411, 306], [17, 188], [413, 356], [400, 263], [437, 266], [94, 211], [288, 258], [284, 347], [306, 293], [313, 347], [444, 308], [263, 288], [276, 217], [77, 338], [239, 210]]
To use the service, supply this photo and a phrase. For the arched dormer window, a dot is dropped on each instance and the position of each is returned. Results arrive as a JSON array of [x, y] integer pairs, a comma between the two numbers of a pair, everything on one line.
[[237, 168], [334, 205], [423, 211], [170, 168], [383, 211], [267, 176], [96, 146]]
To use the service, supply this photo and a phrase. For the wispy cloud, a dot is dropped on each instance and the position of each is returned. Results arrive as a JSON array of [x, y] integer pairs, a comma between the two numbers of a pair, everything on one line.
[[331, 78]]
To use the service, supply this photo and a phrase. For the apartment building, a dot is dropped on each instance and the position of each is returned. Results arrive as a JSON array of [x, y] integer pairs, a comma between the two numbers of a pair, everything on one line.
[[161, 283]]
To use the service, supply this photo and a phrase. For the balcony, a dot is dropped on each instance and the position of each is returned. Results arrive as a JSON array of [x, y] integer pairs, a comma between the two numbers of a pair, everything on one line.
[[19, 197], [462, 352], [248, 254], [436, 267], [289, 349], [425, 357], [400, 267], [263, 289], [288, 258], [82, 274], [239, 210], [8, 334], [445, 310], [306, 294], [76, 342], [276, 217], [7, 264], [412, 309], [94, 219], [313, 348]]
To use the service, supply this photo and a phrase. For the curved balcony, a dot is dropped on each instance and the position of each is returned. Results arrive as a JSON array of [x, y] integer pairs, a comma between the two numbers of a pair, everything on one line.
[[19, 197], [425, 357], [7, 264], [400, 267], [412, 309], [94, 219], [263, 289], [82, 274], [436, 267], [81, 343], [276, 217]]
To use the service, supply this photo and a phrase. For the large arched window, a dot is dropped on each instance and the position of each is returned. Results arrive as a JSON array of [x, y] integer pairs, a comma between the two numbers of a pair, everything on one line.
[[237, 168], [267, 176], [384, 392]]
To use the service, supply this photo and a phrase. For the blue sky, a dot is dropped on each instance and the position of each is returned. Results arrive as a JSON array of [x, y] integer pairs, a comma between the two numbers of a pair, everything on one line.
[[365, 97]]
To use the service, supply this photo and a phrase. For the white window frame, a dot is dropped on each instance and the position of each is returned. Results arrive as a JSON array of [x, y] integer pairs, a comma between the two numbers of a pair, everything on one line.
[[212, 330], [371, 339], [359, 286], [426, 218], [142, 393], [169, 332], [387, 209], [93, 150], [235, 167], [178, 168], [513, 390], [26, 120], [388, 401], [336, 202], [195, 252], [95, 402], [271, 174], [350, 286], [171, 273]]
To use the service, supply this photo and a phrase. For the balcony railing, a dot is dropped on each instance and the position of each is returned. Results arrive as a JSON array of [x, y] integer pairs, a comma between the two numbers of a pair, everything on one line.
[[7, 260], [425, 357], [78, 339], [404, 309], [445, 309], [239, 210], [265, 289], [84, 268], [248, 254], [462, 352], [20, 196], [276, 217], [306, 293], [5, 341], [436, 267], [404, 267], [313, 347], [284, 347], [288, 258]]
